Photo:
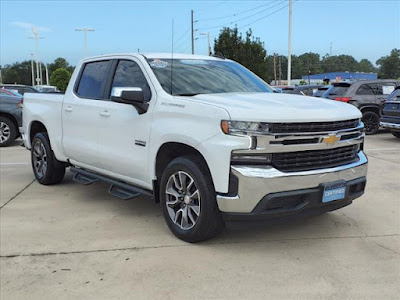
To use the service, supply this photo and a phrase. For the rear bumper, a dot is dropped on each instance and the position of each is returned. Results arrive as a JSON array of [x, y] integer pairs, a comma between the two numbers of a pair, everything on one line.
[[268, 192]]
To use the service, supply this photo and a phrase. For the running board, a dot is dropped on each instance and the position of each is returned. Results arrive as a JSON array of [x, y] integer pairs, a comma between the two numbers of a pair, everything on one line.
[[117, 188], [84, 178]]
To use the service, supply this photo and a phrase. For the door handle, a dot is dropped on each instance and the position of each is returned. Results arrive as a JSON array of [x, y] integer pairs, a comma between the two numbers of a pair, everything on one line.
[[105, 113], [68, 108]]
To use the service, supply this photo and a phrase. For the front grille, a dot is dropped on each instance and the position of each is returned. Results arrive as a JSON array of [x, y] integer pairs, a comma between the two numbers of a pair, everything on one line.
[[314, 126], [315, 159]]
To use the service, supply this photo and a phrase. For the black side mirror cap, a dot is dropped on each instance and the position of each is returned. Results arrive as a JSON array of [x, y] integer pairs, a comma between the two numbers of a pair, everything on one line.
[[130, 95]]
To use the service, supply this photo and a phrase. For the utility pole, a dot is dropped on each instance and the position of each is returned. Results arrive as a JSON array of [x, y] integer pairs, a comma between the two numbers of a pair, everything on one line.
[[85, 31], [330, 49], [289, 70], [192, 15], [33, 72], [36, 37], [274, 69]]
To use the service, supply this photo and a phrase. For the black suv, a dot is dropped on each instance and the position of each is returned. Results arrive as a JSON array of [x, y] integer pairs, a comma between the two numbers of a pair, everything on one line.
[[366, 95], [391, 113]]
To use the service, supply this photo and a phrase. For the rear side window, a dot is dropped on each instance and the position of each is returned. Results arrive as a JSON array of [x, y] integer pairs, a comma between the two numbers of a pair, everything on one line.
[[129, 74], [385, 88], [366, 90], [93, 80]]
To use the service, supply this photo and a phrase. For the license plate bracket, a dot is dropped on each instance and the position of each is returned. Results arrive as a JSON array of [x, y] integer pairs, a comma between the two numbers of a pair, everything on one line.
[[333, 191]]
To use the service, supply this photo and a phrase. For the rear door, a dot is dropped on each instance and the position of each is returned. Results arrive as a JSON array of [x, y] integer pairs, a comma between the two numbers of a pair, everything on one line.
[[366, 94], [81, 114]]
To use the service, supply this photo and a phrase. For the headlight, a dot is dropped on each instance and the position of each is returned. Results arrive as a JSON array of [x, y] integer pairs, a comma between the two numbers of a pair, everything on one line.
[[246, 128]]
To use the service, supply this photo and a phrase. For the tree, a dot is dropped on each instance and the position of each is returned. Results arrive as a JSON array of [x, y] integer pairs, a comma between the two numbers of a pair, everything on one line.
[[60, 63], [389, 66], [248, 51], [60, 78], [366, 66]]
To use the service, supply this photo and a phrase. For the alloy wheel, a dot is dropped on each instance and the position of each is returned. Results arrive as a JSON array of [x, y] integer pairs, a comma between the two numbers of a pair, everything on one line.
[[371, 123], [5, 132], [39, 159], [182, 200]]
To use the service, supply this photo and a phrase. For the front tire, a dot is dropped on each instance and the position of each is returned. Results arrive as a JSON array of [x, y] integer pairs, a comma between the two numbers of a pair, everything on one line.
[[8, 131], [371, 122], [188, 200], [47, 169]]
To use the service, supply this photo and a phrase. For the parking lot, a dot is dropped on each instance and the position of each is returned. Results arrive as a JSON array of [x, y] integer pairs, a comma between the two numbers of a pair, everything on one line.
[[71, 240]]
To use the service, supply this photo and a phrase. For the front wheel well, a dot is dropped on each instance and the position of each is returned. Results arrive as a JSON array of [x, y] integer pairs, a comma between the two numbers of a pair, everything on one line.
[[374, 109], [170, 151], [36, 127]]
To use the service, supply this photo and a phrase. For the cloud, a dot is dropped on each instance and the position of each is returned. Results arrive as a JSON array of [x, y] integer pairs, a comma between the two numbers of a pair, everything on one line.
[[30, 26]]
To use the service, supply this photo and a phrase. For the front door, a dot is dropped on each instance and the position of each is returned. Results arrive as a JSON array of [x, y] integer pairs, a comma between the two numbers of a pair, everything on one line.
[[124, 133]]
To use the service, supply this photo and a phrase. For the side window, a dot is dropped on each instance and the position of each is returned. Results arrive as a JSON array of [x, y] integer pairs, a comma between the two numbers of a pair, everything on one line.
[[129, 74], [93, 80], [386, 88], [365, 89]]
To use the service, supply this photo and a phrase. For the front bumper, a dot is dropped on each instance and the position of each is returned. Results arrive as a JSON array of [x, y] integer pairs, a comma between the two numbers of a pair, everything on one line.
[[258, 187], [393, 126]]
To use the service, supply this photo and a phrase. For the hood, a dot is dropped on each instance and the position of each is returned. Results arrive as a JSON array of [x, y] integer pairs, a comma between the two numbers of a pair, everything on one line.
[[276, 107]]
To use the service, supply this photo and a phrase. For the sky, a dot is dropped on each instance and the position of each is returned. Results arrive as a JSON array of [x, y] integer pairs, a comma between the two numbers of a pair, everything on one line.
[[365, 29]]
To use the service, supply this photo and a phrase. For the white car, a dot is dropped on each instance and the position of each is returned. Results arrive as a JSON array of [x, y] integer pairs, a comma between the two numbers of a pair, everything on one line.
[[206, 137]]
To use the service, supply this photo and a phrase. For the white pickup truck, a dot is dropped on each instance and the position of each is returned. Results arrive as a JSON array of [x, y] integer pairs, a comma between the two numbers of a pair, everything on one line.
[[203, 136]]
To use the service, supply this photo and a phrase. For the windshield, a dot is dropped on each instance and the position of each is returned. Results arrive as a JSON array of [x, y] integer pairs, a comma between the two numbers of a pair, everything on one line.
[[394, 96], [196, 76]]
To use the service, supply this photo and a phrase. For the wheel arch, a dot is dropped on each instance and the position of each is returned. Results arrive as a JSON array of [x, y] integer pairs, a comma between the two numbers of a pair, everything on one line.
[[166, 153], [374, 108], [11, 117], [34, 128]]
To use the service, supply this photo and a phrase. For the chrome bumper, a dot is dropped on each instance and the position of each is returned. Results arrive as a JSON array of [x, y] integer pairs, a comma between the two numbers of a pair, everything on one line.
[[257, 182], [390, 125]]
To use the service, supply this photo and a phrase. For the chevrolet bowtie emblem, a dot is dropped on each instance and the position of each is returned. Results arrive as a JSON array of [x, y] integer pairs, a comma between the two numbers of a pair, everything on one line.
[[331, 139]]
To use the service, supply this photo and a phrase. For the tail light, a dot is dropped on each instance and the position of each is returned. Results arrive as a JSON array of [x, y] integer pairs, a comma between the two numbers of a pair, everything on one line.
[[21, 103], [343, 99]]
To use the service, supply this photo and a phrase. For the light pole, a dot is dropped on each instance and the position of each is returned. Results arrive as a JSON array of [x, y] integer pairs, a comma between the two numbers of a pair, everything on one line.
[[85, 31], [289, 70], [33, 72], [36, 37], [208, 41]]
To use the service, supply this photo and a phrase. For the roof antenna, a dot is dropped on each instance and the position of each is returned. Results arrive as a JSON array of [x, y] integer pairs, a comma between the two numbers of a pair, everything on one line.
[[172, 55]]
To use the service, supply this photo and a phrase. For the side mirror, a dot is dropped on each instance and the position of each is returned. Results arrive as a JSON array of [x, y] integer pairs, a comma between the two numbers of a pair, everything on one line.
[[130, 95]]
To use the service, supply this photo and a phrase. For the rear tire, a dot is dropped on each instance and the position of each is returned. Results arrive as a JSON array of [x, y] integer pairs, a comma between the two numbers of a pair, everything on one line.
[[396, 134], [47, 169], [371, 122], [188, 200], [8, 132]]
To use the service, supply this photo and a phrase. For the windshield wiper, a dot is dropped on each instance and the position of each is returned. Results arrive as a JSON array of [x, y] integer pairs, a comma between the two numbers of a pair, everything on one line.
[[187, 94]]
